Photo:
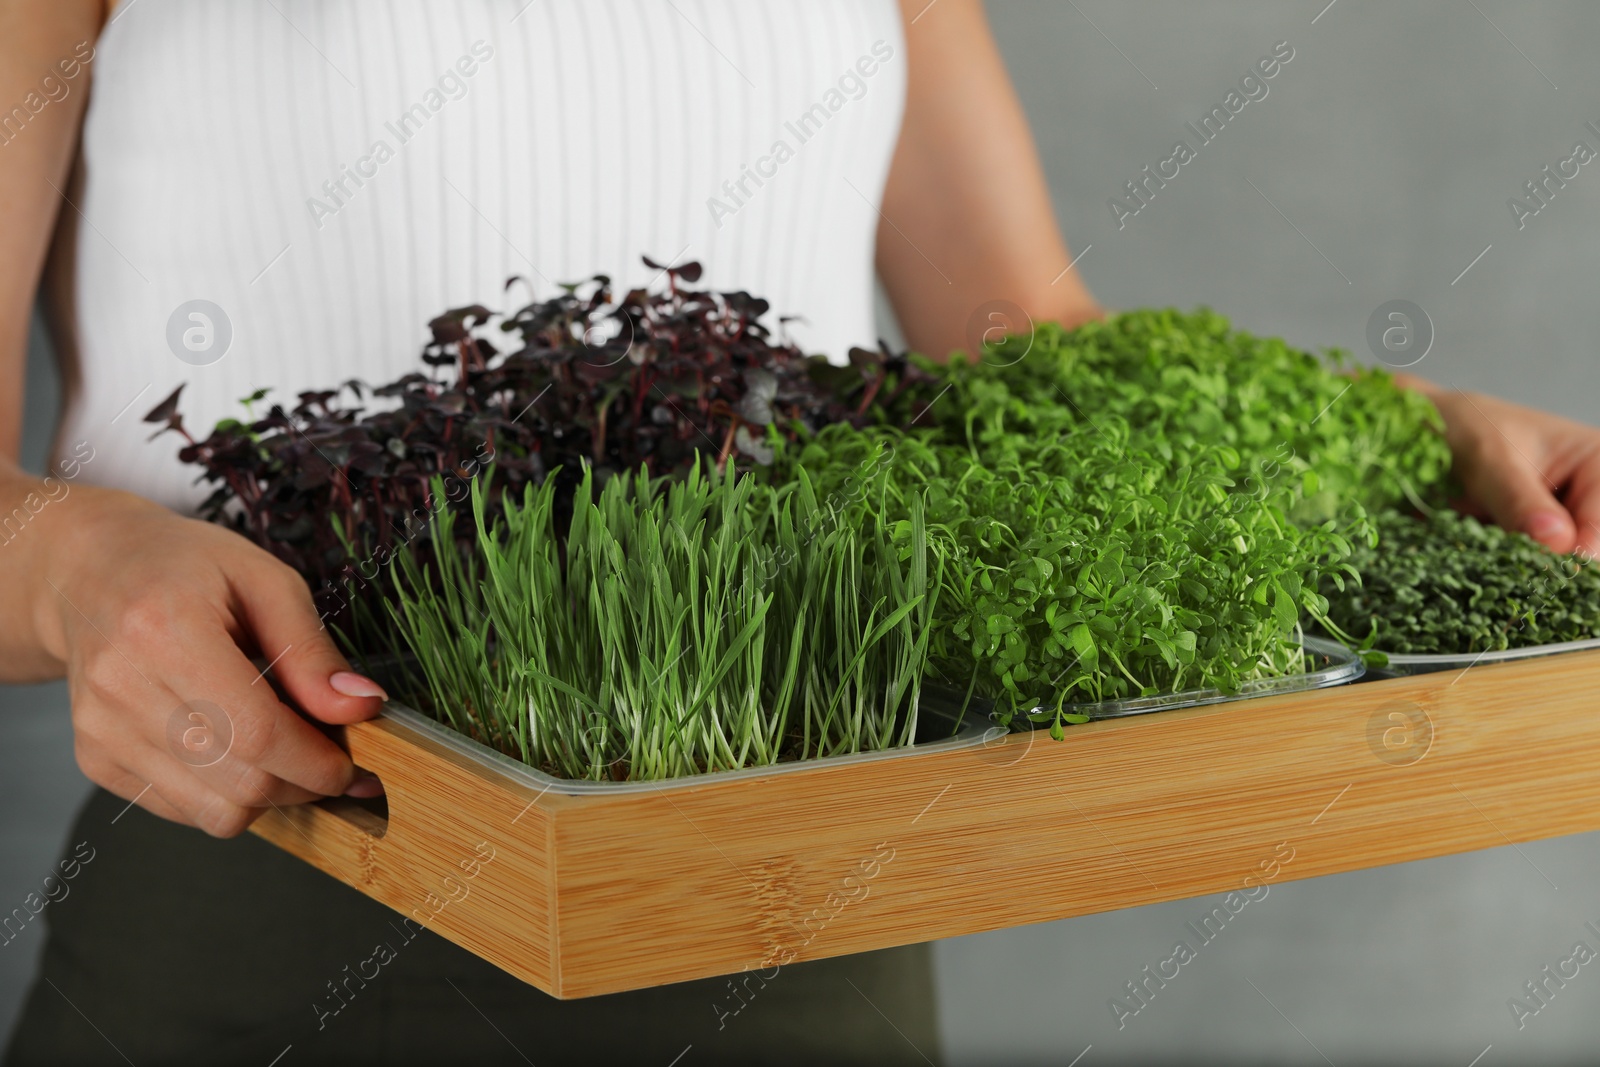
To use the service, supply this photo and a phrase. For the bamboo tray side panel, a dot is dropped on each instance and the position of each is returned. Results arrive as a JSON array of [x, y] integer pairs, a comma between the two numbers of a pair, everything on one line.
[[1207, 800], [464, 853], [588, 895]]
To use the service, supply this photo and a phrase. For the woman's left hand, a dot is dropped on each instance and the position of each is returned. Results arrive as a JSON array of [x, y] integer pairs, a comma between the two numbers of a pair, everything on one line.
[[1527, 470]]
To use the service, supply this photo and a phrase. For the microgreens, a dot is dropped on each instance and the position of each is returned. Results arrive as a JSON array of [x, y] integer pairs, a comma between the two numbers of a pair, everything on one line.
[[656, 378], [708, 624], [1450, 584], [1172, 376], [704, 551], [1096, 565]]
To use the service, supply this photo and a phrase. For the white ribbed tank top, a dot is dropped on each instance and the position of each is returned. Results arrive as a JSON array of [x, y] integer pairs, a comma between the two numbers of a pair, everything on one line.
[[331, 174]]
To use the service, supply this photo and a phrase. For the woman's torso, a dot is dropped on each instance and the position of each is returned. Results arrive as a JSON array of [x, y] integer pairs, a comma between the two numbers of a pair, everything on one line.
[[330, 176]]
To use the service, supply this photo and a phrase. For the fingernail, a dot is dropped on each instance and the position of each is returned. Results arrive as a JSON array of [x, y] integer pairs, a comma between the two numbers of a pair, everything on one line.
[[364, 786], [1546, 524], [354, 685]]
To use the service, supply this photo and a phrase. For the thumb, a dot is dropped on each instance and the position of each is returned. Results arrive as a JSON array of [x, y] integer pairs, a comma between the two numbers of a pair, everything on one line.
[[278, 610], [1583, 499], [1517, 497]]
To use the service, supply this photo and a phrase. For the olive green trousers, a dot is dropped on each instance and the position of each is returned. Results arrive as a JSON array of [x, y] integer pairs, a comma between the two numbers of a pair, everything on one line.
[[171, 947]]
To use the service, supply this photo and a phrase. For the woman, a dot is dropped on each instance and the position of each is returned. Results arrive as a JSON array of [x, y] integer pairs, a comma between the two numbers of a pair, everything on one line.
[[326, 178]]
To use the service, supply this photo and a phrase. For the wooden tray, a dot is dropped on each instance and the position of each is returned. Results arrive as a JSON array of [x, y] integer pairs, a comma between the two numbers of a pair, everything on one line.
[[587, 893]]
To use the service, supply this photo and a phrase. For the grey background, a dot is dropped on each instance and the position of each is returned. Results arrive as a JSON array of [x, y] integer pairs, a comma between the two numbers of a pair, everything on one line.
[[1391, 141]]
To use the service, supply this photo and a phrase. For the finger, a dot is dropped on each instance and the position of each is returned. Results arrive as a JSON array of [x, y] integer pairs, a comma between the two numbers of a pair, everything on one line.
[[279, 612], [1468, 506], [138, 793], [107, 726], [240, 785], [252, 786], [257, 736], [1583, 501], [198, 804], [1518, 497], [167, 783]]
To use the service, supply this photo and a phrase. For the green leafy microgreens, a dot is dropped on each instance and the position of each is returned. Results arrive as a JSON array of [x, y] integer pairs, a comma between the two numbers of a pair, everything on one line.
[[1142, 505], [1096, 565], [703, 625], [1450, 584], [1172, 375]]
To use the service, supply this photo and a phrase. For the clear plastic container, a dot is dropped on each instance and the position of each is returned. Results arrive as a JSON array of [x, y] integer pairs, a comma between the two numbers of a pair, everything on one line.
[[1400, 666], [1332, 664], [939, 729]]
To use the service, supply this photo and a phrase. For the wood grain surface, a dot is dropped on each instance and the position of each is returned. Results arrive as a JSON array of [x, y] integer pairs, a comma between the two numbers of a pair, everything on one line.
[[582, 895]]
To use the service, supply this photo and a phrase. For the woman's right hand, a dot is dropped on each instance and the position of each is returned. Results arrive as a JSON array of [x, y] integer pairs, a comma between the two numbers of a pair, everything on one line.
[[154, 619]]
